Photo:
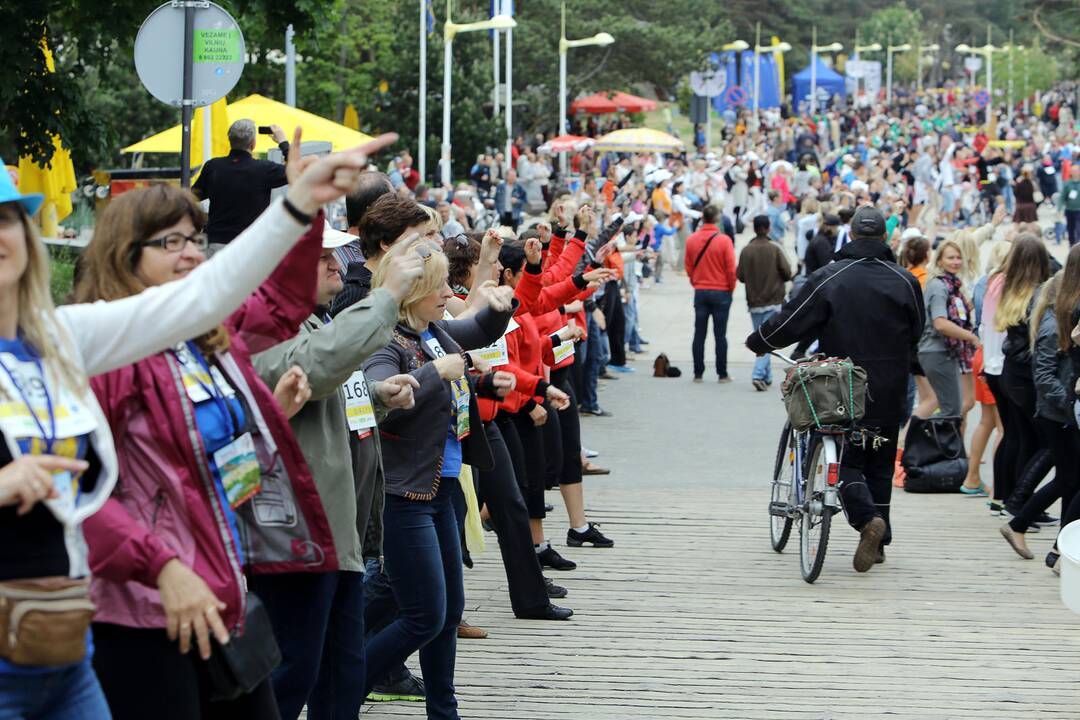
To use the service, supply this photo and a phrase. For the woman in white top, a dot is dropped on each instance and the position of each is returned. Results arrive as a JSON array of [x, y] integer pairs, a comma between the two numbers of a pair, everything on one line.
[[57, 461]]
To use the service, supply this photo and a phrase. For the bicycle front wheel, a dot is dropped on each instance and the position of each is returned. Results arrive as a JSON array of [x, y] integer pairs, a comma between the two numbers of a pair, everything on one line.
[[780, 510], [815, 516]]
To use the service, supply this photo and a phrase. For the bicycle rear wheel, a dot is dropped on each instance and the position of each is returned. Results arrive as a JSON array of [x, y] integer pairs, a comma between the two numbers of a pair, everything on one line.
[[815, 517], [780, 509]]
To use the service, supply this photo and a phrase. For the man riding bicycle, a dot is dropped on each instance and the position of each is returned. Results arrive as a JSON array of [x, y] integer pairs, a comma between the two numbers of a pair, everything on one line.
[[866, 307]]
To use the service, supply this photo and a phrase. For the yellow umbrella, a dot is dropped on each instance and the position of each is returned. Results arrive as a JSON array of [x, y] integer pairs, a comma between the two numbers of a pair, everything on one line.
[[56, 181], [263, 111], [638, 140]]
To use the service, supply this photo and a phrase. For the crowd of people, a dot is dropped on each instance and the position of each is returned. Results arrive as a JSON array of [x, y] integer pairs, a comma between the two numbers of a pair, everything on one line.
[[266, 471]]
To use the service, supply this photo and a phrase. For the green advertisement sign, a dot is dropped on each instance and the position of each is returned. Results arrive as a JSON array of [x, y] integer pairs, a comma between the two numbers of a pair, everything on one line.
[[217, 46]]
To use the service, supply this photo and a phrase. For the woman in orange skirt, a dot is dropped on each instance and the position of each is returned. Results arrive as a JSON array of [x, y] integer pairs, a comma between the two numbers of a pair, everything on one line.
[[988, 422]]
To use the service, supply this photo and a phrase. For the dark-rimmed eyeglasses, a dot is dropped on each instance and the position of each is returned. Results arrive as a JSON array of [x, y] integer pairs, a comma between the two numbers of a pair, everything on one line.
[[175, 242]]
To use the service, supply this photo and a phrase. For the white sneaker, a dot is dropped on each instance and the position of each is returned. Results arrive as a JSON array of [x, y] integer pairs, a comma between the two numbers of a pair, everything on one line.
[[589, 453]]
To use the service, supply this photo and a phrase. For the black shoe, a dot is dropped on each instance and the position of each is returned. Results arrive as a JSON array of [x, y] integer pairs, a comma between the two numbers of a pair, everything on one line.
[[551, 558], [551, 612], [759, 385], [1052, 558], [1045, 519], [553, 590], [408, 688], [486, 524], [548, 507], [592, 536], [880, 556], [595, 412], [466, 558]]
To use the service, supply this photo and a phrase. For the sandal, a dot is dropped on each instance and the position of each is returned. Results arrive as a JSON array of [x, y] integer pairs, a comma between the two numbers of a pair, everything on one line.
[[980, 491]]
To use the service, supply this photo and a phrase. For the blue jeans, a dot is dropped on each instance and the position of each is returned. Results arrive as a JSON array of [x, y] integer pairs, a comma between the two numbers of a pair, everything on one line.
[[318, 620], [633, 339], [70, 693], [763, 364], [423, 561], [595, 360], [715, 304]]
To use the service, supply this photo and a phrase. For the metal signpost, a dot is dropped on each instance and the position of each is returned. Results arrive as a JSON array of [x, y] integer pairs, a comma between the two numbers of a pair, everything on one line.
[[189, 53]]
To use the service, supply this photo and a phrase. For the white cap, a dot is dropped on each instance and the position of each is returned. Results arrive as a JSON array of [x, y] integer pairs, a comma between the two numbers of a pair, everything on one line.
[[911, 232], [332, 238], [634, 217]]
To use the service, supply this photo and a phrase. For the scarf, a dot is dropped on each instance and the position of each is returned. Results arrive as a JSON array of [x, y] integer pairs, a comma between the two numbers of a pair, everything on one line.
[[961, 350]]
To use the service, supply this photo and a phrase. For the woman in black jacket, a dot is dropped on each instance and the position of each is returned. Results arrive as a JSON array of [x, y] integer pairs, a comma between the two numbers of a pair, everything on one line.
[[423, 451], [1052, 371]]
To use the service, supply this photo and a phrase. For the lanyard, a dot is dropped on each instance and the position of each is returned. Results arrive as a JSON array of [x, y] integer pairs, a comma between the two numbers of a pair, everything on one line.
[[50, 436], [215, 392]]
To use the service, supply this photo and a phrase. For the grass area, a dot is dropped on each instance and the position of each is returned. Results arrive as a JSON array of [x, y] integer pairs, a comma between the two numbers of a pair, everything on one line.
[[680, 123], [62, 275]]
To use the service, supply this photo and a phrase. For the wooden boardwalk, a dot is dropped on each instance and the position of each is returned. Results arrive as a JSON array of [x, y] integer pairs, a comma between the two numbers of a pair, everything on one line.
[[693, 616]]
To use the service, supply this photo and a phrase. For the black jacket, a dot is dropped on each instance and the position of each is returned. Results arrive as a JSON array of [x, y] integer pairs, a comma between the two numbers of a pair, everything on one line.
[[1052, 372], [238, 187], [413, 441], [357, 287], [819, 252], [866, 307]]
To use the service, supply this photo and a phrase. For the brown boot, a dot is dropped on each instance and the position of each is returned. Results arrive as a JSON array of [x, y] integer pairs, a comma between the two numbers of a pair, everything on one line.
[[465, 631], [866, 554]]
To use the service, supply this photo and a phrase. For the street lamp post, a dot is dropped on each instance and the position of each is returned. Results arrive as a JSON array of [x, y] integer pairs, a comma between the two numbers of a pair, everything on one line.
[[738, 46], [924, 48], [814, 50], [564, 45], [888, 64], [1027, 91], [758, 49], [450, 29], [872, 47], [988, 50]]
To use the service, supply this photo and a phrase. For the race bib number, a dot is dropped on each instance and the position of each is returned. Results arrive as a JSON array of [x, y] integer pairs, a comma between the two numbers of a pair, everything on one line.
[[563, 350], [435, 347], [72, 417], [358, 406], [497, 354], [238, 467]]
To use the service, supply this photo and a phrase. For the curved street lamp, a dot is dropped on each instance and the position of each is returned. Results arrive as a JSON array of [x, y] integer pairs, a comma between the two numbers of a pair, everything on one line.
[[779, 48], [599, 39], [888, 71], [814, 50]]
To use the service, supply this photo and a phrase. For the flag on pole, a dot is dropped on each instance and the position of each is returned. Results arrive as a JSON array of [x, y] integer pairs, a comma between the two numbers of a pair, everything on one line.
[[56, 181], [778, 59], [430, 18], [352, 118]]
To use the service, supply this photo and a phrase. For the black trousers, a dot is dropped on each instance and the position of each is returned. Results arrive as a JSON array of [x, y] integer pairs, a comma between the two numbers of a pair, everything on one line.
[[1005, 454], [611, 306], [569, 423], [510, 518], [1065, 449], [144, 675], [525, 444], [866, 479], [1026, 461]]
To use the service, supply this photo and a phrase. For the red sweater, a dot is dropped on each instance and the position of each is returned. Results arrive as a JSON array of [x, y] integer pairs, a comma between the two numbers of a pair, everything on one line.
[[716, 269]]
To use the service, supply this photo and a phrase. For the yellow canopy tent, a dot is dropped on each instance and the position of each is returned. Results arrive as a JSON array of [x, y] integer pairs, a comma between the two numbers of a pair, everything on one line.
[[263, 111]]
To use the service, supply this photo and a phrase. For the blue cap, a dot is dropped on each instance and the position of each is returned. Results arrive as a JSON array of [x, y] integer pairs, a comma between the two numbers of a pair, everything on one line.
[[30, 202]]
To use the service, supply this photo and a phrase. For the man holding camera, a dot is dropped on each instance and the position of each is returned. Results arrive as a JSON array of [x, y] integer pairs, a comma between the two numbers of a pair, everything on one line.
[[238, 186]]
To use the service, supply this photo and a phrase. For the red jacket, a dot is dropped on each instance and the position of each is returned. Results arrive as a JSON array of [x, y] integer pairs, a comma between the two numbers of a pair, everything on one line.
[[163, 507], [716, 269]]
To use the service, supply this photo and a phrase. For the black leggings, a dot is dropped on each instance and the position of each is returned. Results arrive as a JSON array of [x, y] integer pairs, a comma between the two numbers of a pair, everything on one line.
[[1019, 391], [1065, 449], [1005, 454], [569, 468], [144, 676]]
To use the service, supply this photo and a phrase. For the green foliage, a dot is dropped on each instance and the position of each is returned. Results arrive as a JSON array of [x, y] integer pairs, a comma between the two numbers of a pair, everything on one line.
[[62, 273]]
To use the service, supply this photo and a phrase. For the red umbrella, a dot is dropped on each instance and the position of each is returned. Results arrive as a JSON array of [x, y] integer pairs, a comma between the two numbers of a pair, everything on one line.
[[611, 102], [566, 143]]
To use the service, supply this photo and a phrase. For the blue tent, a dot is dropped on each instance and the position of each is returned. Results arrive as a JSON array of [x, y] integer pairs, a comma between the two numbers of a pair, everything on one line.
[[829, 83], [770, 93]]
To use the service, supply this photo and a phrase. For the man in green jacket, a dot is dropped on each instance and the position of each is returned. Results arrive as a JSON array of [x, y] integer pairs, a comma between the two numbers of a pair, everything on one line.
[[1069, 200], [318, 617]]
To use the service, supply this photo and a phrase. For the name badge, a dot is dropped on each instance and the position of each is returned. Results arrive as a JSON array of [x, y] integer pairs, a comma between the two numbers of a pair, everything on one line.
[[961, 308], [435, 347], [563, 350], [73, 418], [497, 354], [358, 407], [239, 469], [194, 376], [461, 406]]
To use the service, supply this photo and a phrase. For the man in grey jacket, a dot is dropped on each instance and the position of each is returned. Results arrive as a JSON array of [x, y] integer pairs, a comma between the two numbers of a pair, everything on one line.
[[318, 617]]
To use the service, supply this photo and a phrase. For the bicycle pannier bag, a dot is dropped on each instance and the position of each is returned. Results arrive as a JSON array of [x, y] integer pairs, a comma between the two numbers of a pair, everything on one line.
[[824, 391], [934, 458]]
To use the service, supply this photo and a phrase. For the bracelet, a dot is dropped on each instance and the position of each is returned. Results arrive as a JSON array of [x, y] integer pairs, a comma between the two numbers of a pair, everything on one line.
[[468, 360], [298, 215]]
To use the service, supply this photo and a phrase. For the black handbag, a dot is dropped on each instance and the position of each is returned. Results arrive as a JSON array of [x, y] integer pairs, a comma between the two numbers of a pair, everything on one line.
[[247, 660], [934, 459]]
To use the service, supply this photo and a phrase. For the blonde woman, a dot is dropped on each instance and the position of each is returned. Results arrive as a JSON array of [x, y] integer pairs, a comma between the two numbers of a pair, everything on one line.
[[58, 464], [424, 449], [947, 343]]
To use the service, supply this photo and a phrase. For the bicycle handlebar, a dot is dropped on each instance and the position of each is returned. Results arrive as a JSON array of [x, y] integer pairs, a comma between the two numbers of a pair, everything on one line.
[[783, 357]]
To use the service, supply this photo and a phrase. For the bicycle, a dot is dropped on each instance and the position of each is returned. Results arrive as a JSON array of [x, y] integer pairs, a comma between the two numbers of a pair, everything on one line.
[[804, 488]]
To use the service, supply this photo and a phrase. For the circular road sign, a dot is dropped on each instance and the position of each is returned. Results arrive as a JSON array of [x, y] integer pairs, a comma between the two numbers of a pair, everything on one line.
[[982, 98], [736, 95], [217, 54]]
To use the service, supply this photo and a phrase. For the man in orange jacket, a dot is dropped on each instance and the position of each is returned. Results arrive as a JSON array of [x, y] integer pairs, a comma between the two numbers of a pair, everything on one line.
[[710, 265]]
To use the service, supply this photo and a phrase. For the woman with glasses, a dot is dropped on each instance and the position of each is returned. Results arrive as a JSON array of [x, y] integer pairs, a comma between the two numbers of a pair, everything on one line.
[[424, 449], [58, 461], [211, 479]]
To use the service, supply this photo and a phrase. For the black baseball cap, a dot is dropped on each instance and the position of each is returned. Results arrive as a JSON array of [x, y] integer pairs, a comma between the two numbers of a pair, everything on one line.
[[869, 223]]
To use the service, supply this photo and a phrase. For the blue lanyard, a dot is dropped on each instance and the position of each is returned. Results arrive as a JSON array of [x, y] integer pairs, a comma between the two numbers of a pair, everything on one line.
[[48, 436], [214, 392]]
